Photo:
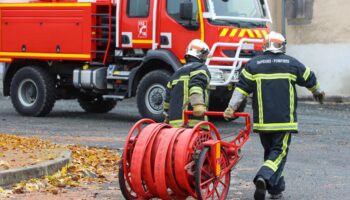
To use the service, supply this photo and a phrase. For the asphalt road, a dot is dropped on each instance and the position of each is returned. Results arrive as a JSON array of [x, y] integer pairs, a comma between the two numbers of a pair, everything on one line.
[[318, 164]]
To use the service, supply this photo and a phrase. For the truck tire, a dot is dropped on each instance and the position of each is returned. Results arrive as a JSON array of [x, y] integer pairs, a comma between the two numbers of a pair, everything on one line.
[[96, 104], [32, 91], [151, 93]]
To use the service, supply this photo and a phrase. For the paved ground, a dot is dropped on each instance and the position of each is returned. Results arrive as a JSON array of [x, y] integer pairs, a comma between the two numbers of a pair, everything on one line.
[[318, 165]]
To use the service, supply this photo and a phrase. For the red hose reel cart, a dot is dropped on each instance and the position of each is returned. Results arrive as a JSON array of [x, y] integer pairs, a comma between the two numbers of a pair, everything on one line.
[[160, 161]]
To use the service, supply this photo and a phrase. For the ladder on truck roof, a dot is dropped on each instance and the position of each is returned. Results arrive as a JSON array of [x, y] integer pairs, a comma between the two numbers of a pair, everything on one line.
[[103, 29]]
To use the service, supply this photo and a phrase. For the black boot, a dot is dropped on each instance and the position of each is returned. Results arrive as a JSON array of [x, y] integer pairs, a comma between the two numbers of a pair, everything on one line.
[[260, 190]]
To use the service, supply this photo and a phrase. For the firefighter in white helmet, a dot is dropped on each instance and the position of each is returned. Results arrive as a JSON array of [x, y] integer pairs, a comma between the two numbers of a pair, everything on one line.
[[188, 87], [271, 78]]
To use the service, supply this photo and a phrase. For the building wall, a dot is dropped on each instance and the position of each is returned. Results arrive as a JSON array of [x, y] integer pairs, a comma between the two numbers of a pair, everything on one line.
[[324, 45]]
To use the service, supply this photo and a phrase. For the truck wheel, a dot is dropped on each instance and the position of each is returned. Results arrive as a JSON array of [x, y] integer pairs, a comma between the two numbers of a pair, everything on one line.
[[32, 91], [96, 104], [151, 93]]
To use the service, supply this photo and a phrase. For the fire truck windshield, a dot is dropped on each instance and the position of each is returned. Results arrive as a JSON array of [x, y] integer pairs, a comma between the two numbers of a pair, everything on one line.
[[239, 10]]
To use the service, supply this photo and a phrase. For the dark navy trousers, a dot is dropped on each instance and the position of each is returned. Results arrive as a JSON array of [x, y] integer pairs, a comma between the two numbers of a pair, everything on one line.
[[276, 146]]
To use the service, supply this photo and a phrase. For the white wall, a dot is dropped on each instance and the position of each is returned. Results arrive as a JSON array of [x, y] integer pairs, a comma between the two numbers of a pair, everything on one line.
[[330, 62]]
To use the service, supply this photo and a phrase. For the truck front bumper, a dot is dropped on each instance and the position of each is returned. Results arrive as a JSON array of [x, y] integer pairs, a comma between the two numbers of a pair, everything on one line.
[[225, 75]]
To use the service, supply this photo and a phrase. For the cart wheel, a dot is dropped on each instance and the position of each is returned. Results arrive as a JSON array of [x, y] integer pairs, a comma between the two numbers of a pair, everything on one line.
[[207, 185], [124, 167], [127, 191]]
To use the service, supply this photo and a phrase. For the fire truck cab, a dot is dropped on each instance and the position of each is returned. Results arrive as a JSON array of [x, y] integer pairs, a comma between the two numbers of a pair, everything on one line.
[[103, 51]]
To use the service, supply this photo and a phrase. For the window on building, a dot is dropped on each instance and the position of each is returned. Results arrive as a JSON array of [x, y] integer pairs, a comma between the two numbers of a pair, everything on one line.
[[299, 12], [173, 9], [138, 8]]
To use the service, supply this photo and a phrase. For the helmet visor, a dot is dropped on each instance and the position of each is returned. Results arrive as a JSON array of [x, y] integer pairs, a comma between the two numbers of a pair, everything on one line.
[[276, 45]]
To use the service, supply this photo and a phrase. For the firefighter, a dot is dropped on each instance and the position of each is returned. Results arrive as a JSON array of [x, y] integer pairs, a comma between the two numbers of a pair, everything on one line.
[[271, 78], [188, 87]]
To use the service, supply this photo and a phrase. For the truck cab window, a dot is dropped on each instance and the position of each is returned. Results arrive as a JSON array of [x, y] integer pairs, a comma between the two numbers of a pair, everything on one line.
[[138, 8], [173, 9], [239, 8]]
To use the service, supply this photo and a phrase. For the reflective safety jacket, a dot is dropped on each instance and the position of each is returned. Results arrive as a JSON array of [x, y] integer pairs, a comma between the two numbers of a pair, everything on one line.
[[272, 78], [192, 78]]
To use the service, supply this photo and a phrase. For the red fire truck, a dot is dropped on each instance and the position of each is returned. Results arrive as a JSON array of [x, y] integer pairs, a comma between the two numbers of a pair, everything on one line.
[[103, 51]]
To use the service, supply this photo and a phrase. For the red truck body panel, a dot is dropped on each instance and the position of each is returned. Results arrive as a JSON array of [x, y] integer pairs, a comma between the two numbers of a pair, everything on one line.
[[46, 31], [62, 30]]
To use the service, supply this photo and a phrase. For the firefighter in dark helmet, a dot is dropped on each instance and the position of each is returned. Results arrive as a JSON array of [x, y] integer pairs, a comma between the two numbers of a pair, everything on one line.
[[271, 78], [188, 87]]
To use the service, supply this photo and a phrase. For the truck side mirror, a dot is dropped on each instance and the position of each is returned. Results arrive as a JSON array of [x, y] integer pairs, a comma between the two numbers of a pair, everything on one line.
[[186, 10]]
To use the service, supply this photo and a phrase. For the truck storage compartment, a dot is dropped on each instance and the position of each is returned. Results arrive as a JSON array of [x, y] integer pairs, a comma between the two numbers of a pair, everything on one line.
[[47, 28]]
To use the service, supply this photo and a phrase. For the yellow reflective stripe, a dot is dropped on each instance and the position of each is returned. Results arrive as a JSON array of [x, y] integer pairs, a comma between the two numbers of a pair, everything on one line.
[[196, 89], [242, 91], [185, 97], [179, 122], [176, 124], [182, 78], [284, 150], [47, 55], [260, 103], [166, 105], [247, 75], [218, 155], [169, 85], [306, 73], [194, 73], [270, 164], [174, 82], [251, 77], [276, 126], [250, 33], [291, 102], [244, 31], [264, 32], [316, 87], [224, 32], [5, 59], [276, 76], [142, 41], [233, 32], [201, 21], [258, 34]]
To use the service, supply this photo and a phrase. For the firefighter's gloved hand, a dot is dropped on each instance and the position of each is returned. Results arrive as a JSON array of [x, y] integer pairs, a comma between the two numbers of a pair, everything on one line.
[[198, 110], [228, 114], [319, 96], [196, 99]]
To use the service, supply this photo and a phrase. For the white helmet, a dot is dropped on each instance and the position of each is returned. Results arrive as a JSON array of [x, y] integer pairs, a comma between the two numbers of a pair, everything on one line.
[[198, 49], [275, 43]]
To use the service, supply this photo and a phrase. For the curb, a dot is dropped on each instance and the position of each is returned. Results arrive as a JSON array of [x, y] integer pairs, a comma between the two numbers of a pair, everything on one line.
[[13, 176], [328, 99]]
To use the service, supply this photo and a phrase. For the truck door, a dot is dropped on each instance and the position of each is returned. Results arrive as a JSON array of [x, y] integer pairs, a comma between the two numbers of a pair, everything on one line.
[[176, 33], [136, 24]]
